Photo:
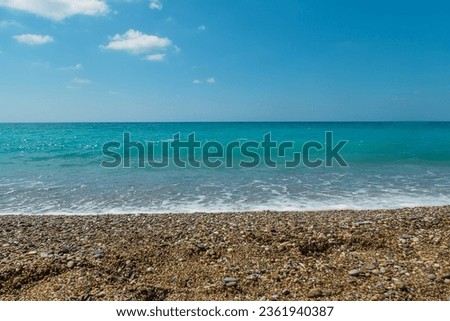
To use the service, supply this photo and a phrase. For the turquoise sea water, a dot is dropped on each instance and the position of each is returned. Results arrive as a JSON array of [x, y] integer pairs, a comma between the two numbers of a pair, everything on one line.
[[55, 168]]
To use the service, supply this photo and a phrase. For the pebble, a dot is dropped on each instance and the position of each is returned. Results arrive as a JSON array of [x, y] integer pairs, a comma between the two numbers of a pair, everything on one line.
[[286, 292], [32, 253], [371, 266], [70, 264], [431, 277], [314, 293], [406, 236], [447, 281], [98, 255], [101, 294], [86, 297], [400, 285], [253, 277], [275, 297], [446, 276], [230, 284], [230, 279], [354, 272], [363, 223]]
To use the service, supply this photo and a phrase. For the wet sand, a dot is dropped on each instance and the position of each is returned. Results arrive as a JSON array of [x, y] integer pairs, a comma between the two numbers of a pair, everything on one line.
[[399, 254]]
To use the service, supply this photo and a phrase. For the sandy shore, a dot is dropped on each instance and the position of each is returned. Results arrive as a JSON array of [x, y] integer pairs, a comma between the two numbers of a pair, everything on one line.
[[333, 255]]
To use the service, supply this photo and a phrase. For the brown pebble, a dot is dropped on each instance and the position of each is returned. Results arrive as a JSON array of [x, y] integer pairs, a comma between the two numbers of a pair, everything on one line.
[[314, 293]]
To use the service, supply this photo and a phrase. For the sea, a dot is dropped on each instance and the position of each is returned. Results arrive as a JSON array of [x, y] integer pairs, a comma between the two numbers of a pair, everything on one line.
[[106, 168]]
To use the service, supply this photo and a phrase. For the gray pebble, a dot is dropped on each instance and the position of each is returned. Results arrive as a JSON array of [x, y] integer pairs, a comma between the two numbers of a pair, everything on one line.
[[354, 272], [70, 264], [431, 277], [229, 279]]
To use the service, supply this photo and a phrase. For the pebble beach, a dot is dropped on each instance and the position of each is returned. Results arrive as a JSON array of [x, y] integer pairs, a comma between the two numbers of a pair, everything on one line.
[[401, 254]]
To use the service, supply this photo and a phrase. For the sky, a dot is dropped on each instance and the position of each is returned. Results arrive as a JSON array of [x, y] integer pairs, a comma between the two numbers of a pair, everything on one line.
[[203, 60]]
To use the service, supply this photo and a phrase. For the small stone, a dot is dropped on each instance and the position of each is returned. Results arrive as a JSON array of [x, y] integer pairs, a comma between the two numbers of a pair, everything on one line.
[[400, 285], [58, 287], [406, 236], [253, 277], [314, 293], [431, 277], [98, 254], [363, 223], [101, 294], [263, 298], [86, 297], [275, 297], [286, 292], [371, 266], [70, 264], [150, 269], [5, 245], [354, 272], [446, 276], [447, 281], [230, 279], [32, 253], [231, 284]]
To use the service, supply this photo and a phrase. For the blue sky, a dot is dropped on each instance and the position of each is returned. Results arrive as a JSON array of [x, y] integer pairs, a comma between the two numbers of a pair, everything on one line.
[[203, 60]]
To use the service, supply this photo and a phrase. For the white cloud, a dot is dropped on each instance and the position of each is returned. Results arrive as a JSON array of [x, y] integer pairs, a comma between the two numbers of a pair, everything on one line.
[[81, 81], [135, 42], [202, 28], [156, 57], [155, 5], [9, 23], [210, 80], [72, 68], [32, 39], [58, 9]]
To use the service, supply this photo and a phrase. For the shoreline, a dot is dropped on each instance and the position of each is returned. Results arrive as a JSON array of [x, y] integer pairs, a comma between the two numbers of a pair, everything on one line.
[[232, 212], [385, 254]]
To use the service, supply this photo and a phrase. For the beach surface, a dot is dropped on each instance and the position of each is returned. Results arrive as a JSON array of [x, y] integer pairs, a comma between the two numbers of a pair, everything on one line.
[[401, 254]]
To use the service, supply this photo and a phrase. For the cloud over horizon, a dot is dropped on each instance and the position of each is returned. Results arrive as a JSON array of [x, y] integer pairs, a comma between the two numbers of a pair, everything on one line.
[[136, 42], [33, 39], [155, 5], [156, 57], [58, 9]]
